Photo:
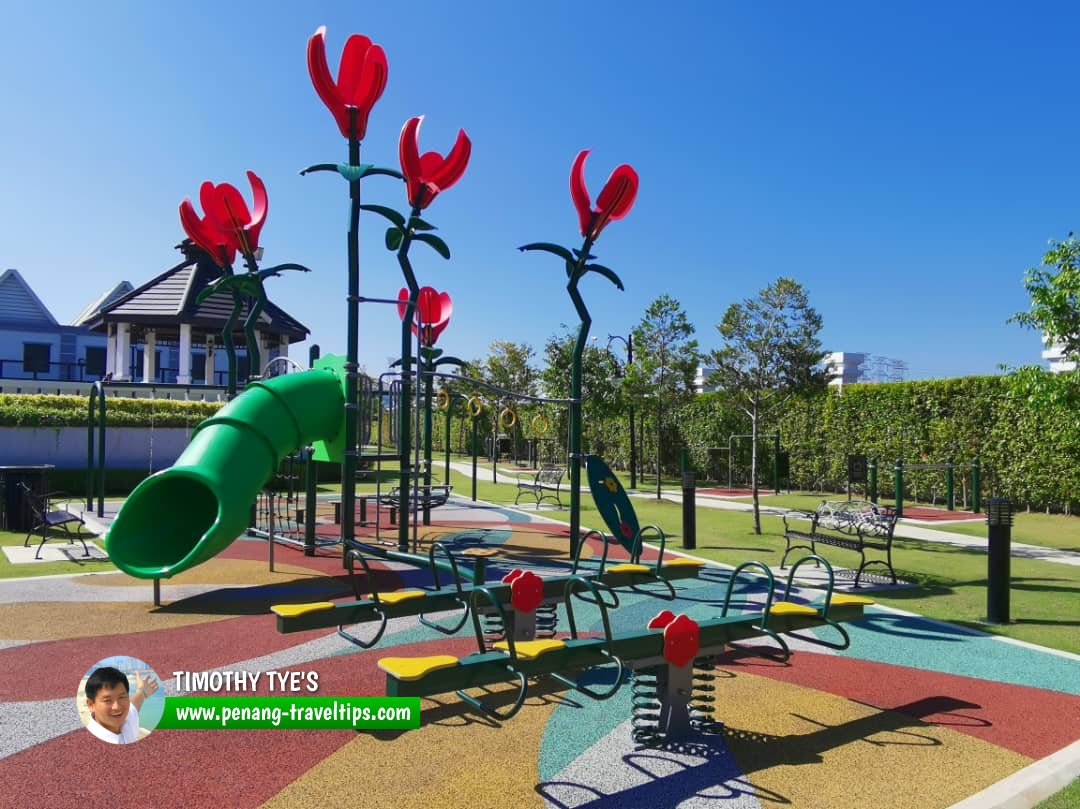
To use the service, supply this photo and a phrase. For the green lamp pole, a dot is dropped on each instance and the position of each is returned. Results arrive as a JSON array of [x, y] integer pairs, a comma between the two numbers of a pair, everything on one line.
[[628, 341]]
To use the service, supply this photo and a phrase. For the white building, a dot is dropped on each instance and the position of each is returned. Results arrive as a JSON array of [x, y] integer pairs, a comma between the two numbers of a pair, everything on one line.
[[701, 380], [1054, 354], [844, 367]]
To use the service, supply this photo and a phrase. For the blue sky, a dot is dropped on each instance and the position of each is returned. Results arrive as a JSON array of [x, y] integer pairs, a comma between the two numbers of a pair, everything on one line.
[[906, 163]]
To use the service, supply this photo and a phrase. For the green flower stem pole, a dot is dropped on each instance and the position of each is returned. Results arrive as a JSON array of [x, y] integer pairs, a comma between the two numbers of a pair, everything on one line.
[[428, 385], [227, 339], [575, 398], [352, 361], [404, 427], [256, 303]]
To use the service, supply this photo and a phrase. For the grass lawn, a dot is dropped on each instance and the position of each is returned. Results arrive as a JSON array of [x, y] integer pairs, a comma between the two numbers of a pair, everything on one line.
[[1048, 530], [1068, 798], [10, 571], [1059, 531]]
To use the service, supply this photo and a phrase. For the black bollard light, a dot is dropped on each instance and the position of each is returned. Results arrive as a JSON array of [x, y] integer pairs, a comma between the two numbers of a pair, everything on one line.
[[999, 531]]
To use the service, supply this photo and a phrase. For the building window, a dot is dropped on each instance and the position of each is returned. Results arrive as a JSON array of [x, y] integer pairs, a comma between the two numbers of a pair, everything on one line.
[[36, 357], [95, 361]]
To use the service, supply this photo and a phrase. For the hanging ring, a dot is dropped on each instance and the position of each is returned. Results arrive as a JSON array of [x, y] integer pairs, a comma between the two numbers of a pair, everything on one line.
[[475, 406], [540, 425], [507, 419], [442, 399]]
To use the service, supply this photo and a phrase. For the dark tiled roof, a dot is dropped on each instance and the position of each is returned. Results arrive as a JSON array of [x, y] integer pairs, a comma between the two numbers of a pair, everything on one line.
[[19, 304], [170, 299]]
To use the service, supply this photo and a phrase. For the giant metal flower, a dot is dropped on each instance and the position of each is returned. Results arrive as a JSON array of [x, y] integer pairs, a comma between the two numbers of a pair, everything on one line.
[[433, 312], [428, 174], [361, 79], [227, 225], [614, 202]]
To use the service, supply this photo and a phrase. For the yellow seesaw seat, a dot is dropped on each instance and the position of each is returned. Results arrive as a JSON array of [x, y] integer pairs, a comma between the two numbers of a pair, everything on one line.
[[296, 610], [400, 595], [846, 598], [413, 668], [531, 649], [628, 567]]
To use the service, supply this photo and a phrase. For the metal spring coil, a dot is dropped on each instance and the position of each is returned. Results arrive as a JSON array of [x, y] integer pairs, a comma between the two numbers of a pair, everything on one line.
[[703, 695], [494, 629], [547, 620], [645, 708]]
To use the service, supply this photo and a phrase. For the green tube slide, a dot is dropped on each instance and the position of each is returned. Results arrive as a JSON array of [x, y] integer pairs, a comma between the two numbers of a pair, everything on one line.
[[186, 514]]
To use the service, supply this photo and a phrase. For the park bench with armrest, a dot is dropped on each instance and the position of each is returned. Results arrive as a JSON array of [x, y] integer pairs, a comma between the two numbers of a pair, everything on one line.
[[47, 515], [548, 479], [855, 529]]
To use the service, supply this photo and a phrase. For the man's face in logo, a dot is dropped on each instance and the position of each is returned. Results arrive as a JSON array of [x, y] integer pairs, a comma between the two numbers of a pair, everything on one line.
[[110, 706]]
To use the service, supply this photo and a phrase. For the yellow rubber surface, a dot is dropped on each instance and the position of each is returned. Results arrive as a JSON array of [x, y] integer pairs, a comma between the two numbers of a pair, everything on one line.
[[861, 756]]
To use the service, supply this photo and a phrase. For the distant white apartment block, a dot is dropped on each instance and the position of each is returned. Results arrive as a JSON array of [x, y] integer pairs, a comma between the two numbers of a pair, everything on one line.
[[1055, 356], [701, 380], [844, 367], [847, 367]]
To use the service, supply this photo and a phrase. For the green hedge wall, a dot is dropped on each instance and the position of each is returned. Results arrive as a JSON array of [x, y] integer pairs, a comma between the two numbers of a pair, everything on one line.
[[1031, 456], [22, 410]]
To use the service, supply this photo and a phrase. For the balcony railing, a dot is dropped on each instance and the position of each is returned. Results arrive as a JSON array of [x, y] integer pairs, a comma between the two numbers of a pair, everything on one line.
[[63, 371]]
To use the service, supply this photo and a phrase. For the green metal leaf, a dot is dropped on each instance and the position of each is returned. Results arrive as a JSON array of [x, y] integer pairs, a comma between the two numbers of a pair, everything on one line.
[[452, 361], [589, 257], [548, 247], [416, 223], [438, 244], [388, 172], [607, 273], [388, 213], [214, 286], [393, 238], [353, 173], [319, 167]]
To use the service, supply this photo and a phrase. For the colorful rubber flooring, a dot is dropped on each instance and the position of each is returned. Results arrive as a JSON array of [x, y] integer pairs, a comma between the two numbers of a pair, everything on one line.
[[915, 713]]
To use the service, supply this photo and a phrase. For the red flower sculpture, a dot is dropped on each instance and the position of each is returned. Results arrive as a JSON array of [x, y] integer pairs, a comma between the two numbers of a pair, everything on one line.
[[433, 312], [361, 79], [226, 225], [614, 202], [661, 619], [428, 174], [526, 591], [682, 637]]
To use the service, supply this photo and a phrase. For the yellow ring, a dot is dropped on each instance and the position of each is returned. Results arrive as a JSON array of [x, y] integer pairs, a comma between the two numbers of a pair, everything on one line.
[[475, 406], [540, 425], [442, 399], [507, 419]]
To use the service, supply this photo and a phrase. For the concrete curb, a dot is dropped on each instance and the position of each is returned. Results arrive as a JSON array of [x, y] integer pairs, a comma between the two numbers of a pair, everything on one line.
[[1034, 783]]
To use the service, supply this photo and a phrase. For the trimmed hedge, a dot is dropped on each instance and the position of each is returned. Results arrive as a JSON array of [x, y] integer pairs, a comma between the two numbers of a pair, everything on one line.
[[23, 410], [1027, 454]]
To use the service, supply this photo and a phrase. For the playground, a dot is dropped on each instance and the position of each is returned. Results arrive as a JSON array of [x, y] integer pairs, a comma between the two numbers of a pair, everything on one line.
[[571, 642], [914, 712]]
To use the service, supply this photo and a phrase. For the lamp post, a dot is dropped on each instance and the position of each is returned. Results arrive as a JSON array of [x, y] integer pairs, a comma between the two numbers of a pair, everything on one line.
[[628, 341]]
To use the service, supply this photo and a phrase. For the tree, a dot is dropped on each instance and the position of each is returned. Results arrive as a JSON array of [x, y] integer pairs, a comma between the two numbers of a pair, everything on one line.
[[770, 350], [601, 400], [1055, 311], [665, 361], [507, 366]]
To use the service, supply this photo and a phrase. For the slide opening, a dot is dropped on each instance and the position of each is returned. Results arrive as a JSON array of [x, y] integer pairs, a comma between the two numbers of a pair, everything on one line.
[[162, 525]]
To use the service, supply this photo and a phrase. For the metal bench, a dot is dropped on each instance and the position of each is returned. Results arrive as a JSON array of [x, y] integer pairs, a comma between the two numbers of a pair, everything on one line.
[[859, 526], [548, 479], [46, 517]]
